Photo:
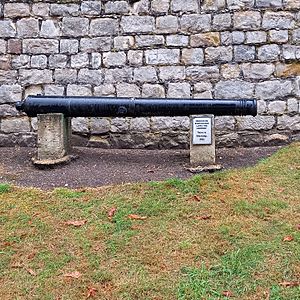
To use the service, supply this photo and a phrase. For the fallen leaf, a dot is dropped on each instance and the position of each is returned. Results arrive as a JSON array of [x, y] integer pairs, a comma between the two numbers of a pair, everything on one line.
[[74, 274], [136, 217], [267, 295], [17, 265], [289, 283], [76, 223], [196, 198], [91, 293], [111, 212], [31, 255], [205, 217], [288, 238], [298, 226], [31, 272], [227, 294]]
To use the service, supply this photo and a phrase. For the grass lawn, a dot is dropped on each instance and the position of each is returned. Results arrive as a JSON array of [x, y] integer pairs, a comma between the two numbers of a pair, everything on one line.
[[233, 234]]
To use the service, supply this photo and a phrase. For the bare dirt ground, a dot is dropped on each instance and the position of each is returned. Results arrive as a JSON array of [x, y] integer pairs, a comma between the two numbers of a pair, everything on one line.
[[98, 167]]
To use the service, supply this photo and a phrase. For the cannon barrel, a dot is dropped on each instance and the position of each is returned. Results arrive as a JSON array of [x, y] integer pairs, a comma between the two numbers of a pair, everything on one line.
[[134, 107]]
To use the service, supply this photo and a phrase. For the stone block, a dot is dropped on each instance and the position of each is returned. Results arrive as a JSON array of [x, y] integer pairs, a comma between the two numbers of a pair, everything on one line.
[[15, 10], [287, 70], [234, 89], [215, 5], [10, 93], [80, 125], [145, 74], [218, 54], [119, 125], [167, 24], [240, 4], [292, 105], [118, 75], [7, 28], [230, 71], [273, 89], [291, 4], [35, 76], [202, 154], [269, 3], [223, 123], [96, 60], [116, 7], [277, 107], [128, 90], [14, 46], [195, 22], [291, 123], [278, 36], [184, 6], [3, 45], [177, 40], [75, 26], [49, 29], [8, 76], [65, 76], [222, 22], [198, 73], [18, 125], [123, 42], [28, 27], [107, 90], [243, 53], [62, 10], [54, 90], [137, 24], [255, 123], [169, 73], [41, 9], [91, 8], [114, 59], [160, 6], [38, 61], [205, 39], [192, 56], [135, 57], [69, 46], [54, 132], [5, 62], [162, 56], [7, 110], [247, 20], [99, 125], [40, 46], [98, 44], [170, 124], [139, 125], [58, 61], [278, 20], [179, 90], [20, 62], [153, 91], [149, 40], [268, 52], [33, 90], [256, 37], [257, 70], [79, 90], [104, 26], [86, 76], [80, 60]]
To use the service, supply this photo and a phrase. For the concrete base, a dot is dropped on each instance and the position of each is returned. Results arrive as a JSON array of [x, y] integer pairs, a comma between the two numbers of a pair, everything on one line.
[[54, 132], [202, 141]]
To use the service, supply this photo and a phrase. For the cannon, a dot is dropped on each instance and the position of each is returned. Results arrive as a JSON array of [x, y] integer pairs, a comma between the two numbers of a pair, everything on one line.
[[54, 120], [134, 107]]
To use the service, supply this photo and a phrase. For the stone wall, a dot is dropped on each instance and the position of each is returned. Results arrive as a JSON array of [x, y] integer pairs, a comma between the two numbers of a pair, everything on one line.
[[158, 48]]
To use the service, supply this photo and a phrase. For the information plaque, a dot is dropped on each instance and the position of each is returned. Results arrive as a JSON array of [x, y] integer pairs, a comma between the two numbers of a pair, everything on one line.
[[202, 131]]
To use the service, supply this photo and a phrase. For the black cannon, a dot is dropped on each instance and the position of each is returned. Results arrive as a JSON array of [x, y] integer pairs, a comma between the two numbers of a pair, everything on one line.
[[134, 107]]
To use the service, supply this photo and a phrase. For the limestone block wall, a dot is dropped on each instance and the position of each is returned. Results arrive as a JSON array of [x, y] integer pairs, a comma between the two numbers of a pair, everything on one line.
[[157, 48]]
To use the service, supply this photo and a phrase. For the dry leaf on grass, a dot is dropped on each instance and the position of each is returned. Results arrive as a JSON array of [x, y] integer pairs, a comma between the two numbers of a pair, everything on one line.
[[74, 274], [204, 217], [136, 217], [196, 198], [91, 293], [31, 255], [288, 238], [76, 223], [111, 212], [298, 226], [227, 294], [31, 272], [289, 283]]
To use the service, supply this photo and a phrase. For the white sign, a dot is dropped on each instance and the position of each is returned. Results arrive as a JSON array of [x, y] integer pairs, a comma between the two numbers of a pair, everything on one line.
[[202, 131]]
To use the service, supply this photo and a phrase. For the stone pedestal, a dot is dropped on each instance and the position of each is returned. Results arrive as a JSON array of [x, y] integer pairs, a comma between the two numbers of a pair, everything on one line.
[[54, 132], [202, 140]]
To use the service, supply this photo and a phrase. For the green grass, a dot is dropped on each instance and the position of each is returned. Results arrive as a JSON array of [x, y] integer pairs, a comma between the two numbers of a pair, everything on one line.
[[169, 255]]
